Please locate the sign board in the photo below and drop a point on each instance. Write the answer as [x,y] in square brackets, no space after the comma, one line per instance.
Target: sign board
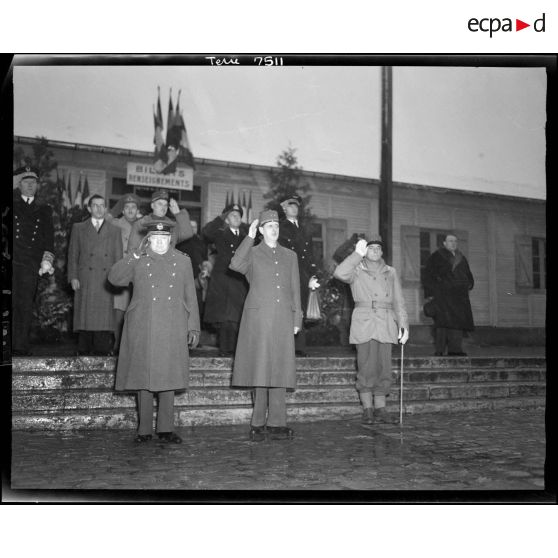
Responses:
[142,174]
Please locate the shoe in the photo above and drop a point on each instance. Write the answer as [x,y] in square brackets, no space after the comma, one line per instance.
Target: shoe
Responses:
[257,433]
[382,416]
[82,353]
[301,354]
[458,354]
[438,354]
[142,438]
[280,432]
[226,353]
[368,416]
[170,437]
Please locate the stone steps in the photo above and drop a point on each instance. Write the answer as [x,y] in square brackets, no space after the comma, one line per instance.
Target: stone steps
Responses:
[77,392]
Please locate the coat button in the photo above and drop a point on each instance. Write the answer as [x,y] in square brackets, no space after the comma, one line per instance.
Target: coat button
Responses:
[152,286]
[276,262]
[150,274]
[170,286]
[173,274]
[277,274]
[169,297]
[232,245]
[148,264]
[277,300]
[278,286]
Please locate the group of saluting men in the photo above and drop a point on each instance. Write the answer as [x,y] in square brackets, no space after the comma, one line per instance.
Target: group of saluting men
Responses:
[256,297]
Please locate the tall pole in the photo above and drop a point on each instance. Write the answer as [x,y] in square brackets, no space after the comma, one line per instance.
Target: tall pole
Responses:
[385,193]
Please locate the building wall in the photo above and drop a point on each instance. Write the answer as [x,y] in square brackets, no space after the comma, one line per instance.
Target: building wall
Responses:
[488,225]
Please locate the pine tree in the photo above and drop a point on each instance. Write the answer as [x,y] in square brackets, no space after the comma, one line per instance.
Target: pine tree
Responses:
[288,180]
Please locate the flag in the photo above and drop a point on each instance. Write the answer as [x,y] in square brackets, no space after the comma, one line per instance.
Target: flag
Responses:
[227,203]
[160,151]
[178,145]
[249,209]
[68,192]
[86,193]
[243,206]
[78,198]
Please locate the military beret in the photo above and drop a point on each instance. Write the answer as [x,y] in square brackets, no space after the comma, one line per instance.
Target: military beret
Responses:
[292,200]
[232,207]
[160,195]
[158,226]
[376,240]
[268,215]
[26,172]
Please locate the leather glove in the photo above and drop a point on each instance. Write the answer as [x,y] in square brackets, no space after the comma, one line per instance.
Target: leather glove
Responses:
[403,335]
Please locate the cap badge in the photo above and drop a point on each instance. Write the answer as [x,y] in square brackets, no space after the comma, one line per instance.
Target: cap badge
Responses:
[159,226]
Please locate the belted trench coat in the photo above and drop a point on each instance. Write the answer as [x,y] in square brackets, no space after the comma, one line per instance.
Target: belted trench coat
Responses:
[265,354]
[379,304]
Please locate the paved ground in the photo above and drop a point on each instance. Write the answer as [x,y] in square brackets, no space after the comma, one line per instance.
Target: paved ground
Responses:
[489,450]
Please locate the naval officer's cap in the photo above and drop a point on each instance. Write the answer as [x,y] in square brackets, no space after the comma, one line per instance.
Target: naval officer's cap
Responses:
[159,227]
[230,208]
[26,172]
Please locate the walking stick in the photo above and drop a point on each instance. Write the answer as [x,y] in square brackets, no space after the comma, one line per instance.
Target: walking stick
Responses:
[401,389]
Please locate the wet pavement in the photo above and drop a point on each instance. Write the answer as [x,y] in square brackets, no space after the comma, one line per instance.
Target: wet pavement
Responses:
[462,451]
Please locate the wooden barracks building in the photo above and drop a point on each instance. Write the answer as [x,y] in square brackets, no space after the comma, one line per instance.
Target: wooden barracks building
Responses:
[503,237]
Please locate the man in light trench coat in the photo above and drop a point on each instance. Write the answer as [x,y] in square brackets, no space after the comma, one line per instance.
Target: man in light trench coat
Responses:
[379,320]
[265,353]
[161,321]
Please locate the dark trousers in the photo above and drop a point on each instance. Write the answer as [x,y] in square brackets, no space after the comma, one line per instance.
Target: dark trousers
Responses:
[95,342]
[453,338]
[300,340]
[24,288]
[270,406]
[228,333]
[165,412]
[374,367]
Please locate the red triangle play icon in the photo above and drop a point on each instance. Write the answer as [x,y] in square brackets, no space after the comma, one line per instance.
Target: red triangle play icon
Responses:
[519,25]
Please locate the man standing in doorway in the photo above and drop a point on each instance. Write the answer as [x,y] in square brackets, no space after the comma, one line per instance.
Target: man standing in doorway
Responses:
[292,235]
[33,254]
[227,288]
[447,282]
[95,245]
[379,320]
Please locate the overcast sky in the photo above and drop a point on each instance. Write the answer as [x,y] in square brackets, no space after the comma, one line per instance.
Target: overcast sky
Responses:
[471,128]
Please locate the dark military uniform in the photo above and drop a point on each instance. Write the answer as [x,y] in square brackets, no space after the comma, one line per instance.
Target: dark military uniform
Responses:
[33,242]
[296,238]
[227,288]
[196,248]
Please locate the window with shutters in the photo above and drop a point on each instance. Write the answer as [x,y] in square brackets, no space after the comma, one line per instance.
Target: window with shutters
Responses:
[417,244]
[530,264]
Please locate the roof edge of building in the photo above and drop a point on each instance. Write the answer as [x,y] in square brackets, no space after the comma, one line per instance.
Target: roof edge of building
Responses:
[318,174]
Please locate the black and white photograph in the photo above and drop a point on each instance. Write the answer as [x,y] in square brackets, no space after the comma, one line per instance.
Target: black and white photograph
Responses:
[289,277]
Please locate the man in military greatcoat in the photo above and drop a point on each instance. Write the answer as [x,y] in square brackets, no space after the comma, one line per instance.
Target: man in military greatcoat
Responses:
[161,203]
[95,245]
[227,288]
[292,235]
[447,282]
[161,321]
[33,254]
[123,215]
[265,357]
[379,320]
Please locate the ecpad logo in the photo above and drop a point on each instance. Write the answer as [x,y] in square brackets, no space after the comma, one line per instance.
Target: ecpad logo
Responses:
[492,25]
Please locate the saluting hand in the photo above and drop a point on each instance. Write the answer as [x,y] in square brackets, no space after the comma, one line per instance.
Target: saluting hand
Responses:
[361,247]
[296,330]
[253,228]
[173,206]
[75,284]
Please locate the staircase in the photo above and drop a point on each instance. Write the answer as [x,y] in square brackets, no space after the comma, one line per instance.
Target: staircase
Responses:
[66,393]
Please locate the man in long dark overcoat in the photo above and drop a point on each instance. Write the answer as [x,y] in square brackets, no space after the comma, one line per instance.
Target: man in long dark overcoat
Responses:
[33,254]
[293,235]
[447,282]
[227,288]
[161,321]
[95,245]
[272,315]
